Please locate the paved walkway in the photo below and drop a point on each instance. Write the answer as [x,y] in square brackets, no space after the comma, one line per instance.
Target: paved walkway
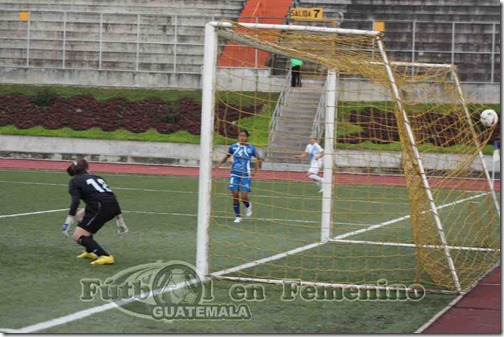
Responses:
[477,312]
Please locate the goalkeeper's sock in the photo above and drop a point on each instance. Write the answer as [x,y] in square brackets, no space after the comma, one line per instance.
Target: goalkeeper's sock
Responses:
[91,246]
[236,208]
[246,203]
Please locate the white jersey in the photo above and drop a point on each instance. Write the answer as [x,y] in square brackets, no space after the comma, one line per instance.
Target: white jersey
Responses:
[313,150]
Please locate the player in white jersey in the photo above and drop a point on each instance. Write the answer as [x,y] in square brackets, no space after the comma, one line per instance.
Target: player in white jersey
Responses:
[316,152]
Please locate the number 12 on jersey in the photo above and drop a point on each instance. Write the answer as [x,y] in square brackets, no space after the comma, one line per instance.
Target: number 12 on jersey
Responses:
[99,184]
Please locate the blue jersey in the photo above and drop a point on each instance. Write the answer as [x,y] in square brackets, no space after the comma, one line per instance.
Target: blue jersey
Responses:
[242,156]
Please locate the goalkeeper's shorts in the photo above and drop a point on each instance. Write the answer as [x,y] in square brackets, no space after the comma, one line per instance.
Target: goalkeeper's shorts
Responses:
[96,215]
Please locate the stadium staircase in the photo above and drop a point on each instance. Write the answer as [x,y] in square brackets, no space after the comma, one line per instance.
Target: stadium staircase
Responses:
[293,123]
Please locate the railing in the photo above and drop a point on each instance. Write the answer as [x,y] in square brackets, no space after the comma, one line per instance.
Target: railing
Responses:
[91,53]
[487,48]
[94,38]
[278,110]
[316,130]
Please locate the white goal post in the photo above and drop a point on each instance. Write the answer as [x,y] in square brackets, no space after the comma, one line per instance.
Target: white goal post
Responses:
[331,111]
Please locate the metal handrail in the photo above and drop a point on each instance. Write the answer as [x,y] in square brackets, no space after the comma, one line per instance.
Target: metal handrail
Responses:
[277,113]
[316,130]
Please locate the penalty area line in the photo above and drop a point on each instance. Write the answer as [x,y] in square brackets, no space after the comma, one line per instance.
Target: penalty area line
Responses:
[5,330]
[255,219]
[33,213]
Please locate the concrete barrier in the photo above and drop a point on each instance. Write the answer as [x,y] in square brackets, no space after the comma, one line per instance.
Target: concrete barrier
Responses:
[99,150]
[180,154]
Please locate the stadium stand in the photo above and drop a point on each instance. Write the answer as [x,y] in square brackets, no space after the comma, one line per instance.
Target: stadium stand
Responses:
[109,36]
[473,24]
[160,42]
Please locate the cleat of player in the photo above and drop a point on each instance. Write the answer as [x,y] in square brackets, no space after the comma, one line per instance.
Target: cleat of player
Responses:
[104,259]
[248,210]
[321,190]
[237,219]
[86,255]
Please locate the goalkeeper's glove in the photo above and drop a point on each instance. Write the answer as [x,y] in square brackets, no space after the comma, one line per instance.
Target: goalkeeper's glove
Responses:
[121,227]
[67,225]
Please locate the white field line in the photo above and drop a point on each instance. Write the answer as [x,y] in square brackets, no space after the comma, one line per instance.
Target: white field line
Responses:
[33,213]
[316,284]
[117,188]
[412,245]
[91,311]
[255,219]
[63,173]
[105,307]
[339,237]
[5,330]
[268,259]
[315,196]
[180,214]
[88,312]
[386,223]
[66,319]
[456,300]
[440,313]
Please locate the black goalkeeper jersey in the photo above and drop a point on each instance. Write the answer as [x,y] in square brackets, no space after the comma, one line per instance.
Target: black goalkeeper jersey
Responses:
[89,188]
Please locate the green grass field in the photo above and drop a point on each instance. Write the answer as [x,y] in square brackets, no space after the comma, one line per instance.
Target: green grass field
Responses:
[40,276]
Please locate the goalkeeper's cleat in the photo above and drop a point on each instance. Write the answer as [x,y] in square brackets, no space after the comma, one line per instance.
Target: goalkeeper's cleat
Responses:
[238,219]
[321,190]
[103,260]
[86,255]
[248,210]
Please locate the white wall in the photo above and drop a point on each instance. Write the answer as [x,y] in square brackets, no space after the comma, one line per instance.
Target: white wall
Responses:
[188,154]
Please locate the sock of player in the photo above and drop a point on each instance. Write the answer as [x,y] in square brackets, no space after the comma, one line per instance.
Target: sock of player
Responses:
[91,246]
[236,208]
[316,178]
[246,203]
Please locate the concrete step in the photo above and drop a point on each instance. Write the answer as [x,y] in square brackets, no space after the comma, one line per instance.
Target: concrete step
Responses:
[94,6]
[292,148]
[294,122]
[146,3]
[423,2]
[301,113]
[55,30]
[189,55]
[276,166]
[294,135]
[281,143]
[299,131]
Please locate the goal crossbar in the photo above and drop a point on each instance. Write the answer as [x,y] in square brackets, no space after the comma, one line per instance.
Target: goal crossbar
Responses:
[371,33]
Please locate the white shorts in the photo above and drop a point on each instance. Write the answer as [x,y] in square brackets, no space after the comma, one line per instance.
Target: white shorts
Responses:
[314,168]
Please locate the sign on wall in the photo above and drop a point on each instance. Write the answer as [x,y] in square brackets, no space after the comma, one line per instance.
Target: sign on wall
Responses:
[307,13]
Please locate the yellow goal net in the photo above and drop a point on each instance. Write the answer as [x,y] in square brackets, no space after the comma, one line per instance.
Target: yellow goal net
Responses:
[402,196]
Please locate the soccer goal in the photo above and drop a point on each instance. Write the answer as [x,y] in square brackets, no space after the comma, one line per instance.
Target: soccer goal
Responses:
[406,194]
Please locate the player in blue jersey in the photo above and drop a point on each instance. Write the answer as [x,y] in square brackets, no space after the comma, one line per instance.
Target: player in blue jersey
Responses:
[316,152]
[241,174]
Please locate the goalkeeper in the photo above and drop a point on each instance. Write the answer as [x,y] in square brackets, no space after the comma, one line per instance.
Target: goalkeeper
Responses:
[101,207]
[316,152]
